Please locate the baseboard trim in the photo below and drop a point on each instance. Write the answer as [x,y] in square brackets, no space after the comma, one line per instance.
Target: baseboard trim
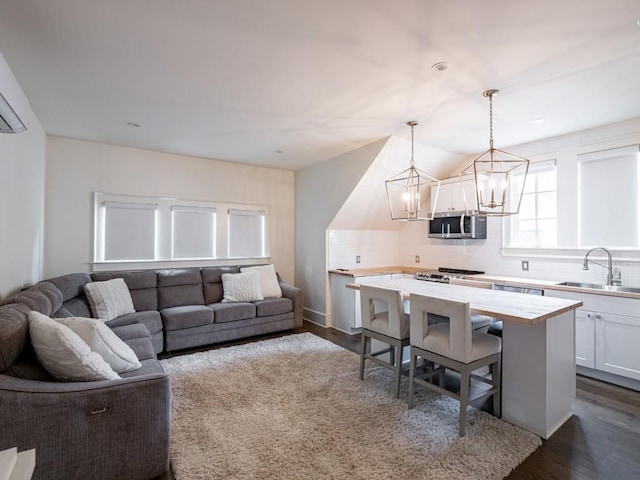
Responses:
[609,377]
[313,316]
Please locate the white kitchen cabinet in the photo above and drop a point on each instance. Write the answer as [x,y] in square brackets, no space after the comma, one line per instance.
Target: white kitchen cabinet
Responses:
[345,302]
[617,340]
[607,336]
[585,338]
[455,196]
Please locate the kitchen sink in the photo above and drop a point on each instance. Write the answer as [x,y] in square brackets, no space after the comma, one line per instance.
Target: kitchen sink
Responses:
[597,286]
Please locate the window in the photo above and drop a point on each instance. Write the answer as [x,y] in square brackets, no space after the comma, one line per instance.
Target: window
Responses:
[128,231]
[193,232]
[535,226]
[609,203]
[149,229]
[246,233]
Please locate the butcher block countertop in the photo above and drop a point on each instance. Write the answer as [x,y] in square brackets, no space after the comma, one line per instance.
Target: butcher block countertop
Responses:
[487,277]
[364,272]
[509,306]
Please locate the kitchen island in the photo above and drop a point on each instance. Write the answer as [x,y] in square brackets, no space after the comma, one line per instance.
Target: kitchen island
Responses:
[538,348]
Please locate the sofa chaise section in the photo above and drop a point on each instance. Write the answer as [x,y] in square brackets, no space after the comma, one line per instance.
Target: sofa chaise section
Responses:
[99,429]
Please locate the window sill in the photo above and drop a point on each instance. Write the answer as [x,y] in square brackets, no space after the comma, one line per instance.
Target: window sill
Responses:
[176,263]
[618,254]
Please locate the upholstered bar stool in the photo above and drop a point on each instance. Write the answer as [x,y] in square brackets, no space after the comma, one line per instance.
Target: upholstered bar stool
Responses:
[479,322]
[383,319]
[454,346]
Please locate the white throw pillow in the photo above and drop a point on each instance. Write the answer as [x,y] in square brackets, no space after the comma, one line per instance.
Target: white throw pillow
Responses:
[110,299]
[241,287]
[64,354]
[102,340]
[268,279]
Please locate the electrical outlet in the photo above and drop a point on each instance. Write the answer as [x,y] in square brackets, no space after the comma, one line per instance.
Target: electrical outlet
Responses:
[417,258]
[357,258]
[525,265]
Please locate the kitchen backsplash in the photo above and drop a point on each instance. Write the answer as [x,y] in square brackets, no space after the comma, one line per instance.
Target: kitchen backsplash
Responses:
[378,248]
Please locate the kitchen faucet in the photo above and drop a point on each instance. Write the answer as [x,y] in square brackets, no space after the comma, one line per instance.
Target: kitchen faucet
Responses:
[609,266]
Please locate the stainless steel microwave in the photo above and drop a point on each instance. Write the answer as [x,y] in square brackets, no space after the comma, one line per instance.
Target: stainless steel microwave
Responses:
[447,225]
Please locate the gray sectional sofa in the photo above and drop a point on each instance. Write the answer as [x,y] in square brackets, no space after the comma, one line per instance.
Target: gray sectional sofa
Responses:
[119,429]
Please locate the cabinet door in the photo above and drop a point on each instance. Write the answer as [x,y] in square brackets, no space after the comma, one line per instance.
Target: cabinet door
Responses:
[585,339]
[455,196]
[469,191]
[444,198]
[343,315]
[617,340]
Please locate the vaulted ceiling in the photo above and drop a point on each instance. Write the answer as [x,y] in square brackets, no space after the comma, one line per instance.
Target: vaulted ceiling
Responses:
[287,83]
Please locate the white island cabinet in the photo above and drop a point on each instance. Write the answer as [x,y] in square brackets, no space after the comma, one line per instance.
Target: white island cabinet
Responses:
[538,355]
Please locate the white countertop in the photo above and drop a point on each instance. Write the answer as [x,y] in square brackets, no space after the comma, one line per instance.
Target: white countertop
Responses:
[509,306]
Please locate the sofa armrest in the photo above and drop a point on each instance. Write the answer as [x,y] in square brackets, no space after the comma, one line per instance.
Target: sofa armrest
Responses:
[102,430]
[295,294]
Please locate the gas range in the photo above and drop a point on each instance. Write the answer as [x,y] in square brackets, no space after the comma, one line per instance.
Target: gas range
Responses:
[443,274]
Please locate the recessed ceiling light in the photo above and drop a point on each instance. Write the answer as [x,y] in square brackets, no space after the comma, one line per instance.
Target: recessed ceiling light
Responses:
[537,120]
[440,66]
[277,151]
[133,124]
[638,23]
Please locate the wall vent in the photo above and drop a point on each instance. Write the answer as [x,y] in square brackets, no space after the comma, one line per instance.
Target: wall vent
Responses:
[9,120]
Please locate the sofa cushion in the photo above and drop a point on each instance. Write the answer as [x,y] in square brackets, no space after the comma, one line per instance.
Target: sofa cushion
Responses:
[150,319]
[64,354]
[52,293]
[71,285]
[35,300]
[137,337]
[74,301]
[110,299]
[212,282]
[28,367]
[176,318]
[75,307]
[268,279]
[273,306]
[142,347]
[241,287]
[142,286]
[231,312]
[14,333]
[102,340]
[179,287]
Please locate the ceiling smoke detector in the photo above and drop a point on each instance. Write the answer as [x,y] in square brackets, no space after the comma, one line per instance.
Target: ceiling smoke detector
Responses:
[440,66]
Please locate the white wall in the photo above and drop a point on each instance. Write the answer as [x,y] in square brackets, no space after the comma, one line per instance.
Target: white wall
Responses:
[560,265]
[321,191]
[76,169]
[22,166]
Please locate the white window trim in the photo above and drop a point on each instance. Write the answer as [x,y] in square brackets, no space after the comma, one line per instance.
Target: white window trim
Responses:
[507,233]
[164,208]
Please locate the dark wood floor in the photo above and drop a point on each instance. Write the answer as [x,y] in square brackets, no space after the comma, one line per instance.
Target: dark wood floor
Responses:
[601,441]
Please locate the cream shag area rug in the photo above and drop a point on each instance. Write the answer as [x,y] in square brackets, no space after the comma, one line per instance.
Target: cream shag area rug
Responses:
[294,408]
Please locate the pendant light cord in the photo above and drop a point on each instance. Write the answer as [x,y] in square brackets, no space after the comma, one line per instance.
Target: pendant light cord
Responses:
[491,121]
[412,162]
[412,124]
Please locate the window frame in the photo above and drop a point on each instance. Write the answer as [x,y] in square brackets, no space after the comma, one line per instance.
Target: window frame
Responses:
[511,224]
[163,234]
